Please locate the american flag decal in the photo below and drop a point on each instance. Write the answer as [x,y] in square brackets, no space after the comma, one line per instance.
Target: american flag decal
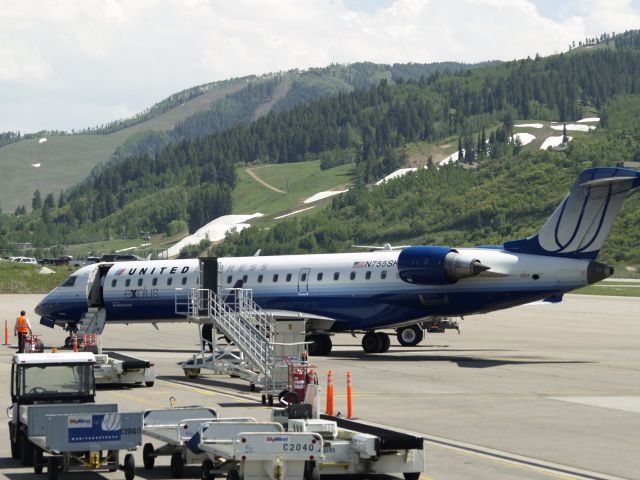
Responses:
[119,272]
[358,265]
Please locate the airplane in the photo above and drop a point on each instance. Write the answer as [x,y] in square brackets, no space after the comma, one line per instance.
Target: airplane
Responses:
[364,292]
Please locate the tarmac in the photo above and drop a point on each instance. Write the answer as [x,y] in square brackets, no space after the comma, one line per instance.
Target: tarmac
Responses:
[533,392]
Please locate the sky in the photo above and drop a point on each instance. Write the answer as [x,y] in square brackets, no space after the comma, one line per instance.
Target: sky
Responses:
[73,64]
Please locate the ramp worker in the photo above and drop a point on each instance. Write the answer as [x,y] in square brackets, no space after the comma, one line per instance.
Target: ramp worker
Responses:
[22,328]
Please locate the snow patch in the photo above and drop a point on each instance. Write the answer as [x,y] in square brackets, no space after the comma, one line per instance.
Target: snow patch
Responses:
[575,127]
[451,158]
[214,231]
[552,142]
[396,174]
[524,138]
[529,125]
[293,213]
[589,119]
[322,195]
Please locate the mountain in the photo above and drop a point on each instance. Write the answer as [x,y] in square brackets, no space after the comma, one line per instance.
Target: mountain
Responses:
[191,181]
[68,158]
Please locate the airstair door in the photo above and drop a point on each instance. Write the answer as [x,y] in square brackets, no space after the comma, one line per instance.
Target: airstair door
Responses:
[303,281]
[208,277]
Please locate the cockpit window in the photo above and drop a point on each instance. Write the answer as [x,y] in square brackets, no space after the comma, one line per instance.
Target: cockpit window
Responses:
[69,282]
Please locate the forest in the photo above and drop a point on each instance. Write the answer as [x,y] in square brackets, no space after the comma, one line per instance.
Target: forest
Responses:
[191,180]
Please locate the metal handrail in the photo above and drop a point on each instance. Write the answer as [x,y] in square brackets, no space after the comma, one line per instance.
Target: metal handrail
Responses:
[238,317]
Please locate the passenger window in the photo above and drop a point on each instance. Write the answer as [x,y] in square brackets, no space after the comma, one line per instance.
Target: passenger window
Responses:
[367,275]
[260,278]
[336,276]
[244,279]
[140,282]
[352,276]
[127,282]
[229,279]
[154,282]
[113,283]
[303,278]
[383,274]
[184,280]
[169,281]
[275,277]
[288,277]
[320,276]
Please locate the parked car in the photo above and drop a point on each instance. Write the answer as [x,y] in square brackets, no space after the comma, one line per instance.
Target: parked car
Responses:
[117,257]
[29,260]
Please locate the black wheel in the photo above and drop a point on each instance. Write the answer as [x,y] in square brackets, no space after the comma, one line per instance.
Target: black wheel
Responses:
[264,399]
[310,471]
[287,397]
[385,342]
[371,343]
[205,471]
[327,345]
[410,336]
[149,384]
[233,475]
[112,456]
[38,461]
[270,400]
[129,467]
[177,465]
[52,468]
[15,448]
[26,450]
[320,344]
[411,476]
[148,456]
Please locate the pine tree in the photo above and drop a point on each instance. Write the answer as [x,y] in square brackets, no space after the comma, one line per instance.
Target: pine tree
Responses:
[36,202]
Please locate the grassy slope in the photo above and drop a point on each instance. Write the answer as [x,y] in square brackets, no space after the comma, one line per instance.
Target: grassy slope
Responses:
[304,180]
[20,278]
[68,159]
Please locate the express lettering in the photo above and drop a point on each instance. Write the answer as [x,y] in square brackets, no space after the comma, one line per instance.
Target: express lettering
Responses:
[141,293]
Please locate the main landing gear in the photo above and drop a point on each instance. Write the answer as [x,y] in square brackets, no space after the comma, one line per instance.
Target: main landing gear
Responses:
[376,342]
[320,345]
[410,336]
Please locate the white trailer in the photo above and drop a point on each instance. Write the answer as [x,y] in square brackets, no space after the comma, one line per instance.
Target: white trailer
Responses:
[175,428]
[257,451]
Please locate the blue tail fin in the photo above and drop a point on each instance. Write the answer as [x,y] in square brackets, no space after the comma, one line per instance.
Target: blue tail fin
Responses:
[581,223]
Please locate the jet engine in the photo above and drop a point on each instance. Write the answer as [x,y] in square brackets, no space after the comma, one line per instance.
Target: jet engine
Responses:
[436,265]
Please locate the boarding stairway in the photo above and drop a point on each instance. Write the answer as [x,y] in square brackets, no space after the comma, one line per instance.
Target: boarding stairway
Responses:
[92,322]
[89,328]
[235,315]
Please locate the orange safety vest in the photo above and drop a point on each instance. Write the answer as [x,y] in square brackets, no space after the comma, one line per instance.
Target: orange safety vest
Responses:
[22,325]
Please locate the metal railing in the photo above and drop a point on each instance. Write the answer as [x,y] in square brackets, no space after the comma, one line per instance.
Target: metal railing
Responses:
[236,316]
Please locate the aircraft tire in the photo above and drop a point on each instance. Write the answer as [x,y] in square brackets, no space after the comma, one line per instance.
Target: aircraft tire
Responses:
[385,342]
[326,344]
[321,344]
[371,342]
[410,336]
